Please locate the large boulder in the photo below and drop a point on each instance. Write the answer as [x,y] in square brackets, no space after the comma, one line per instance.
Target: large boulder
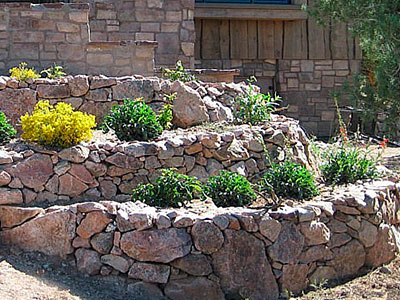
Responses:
[243,267]
[207,237]
[384,249]
[162,245]
[93,223]
[132,89]
[294,278]
[188,108]
[88,261]
[348,259]
[79,85]
[51,233]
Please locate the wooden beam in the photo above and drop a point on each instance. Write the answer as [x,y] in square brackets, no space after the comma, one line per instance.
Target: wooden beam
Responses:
[245,12]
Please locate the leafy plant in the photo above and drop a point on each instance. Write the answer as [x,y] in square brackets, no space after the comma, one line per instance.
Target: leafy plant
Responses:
[179,73]
[7,131]
[22,72]
[375,91]
[347,165]
[289,180]
[135,120]
[171,189]
[58,125]
[255,108]
[53,72]
[229,189]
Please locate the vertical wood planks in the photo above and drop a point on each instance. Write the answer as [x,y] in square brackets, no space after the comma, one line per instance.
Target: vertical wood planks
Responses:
[266,40]
[295,40]
[238,37]
[197,44]
[252,39]
[339,41]
[210,40]
[224,39]
[278,39]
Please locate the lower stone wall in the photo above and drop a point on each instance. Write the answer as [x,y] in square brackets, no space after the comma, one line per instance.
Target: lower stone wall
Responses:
[231,253]
[111,169]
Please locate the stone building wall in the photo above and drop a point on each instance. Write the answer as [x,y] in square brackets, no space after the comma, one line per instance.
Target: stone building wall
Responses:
[217,253]
[44,34]
[169,22]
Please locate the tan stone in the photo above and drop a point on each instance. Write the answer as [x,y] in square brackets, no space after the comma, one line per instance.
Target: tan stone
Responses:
[5,178]
[10,196]
[13,216]
[51,234]
[93,223]
[71,186]
[81,173]
[79,85]
[99,59]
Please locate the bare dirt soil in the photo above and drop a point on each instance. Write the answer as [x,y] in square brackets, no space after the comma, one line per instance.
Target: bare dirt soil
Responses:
[33,276]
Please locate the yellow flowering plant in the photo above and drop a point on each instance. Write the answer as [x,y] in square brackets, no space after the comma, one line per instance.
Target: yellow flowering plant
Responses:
[22,72]
[57,126]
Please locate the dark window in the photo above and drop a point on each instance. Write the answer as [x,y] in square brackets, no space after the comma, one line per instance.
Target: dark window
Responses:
[246,1]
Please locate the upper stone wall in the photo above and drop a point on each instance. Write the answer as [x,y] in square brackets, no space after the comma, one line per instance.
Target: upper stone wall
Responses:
[169,22]
[44,34]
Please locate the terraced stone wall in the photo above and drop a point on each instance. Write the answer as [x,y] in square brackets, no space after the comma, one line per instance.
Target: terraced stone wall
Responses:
[231,253]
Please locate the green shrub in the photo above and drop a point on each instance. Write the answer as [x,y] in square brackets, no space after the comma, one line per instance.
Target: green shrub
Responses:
[229,189]
[289,180]
[59,125]
[171,189]
[135,120]
[347,165]
[179,73]
[53,72]
[22,72]
[7,131]
[255,108]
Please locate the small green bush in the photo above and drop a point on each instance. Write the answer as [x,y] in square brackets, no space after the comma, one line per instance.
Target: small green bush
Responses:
[347,165]
[53,72]
[289,180]
[179,73]
[135,120]
[229,189]
[255,108]
[171,189]
[7,131]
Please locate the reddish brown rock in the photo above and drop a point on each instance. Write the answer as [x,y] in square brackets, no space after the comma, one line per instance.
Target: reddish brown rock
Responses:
[288,245]
[51,234]
[71,186]
[12,216]
[384,249]
[367,234]
[96,169]
[79,242]
[188,108]
[29,195]
[5,178]
[79,85]
[207,237]
[81,173]
[117,262]
[102,242]
[33,171]
[316,253]
[316,233]
[16,102]
[108,189]
[93,223]
[348,259]
[162,245]
[243,267]
[58,91]
[270,228]
[135,216]
[10,196]
[194,288]
[101,81]
[124,161]
[193,264]
[323,274]
[76,154]
[52,184]
[149,272]
[88,261]
[294,278]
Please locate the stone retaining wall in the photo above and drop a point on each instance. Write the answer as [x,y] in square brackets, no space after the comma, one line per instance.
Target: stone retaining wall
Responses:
[44,34]
[110,170]
[196,102]
[232,253]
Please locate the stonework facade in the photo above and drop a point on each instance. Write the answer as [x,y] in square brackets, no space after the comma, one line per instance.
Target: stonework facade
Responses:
[44,34]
